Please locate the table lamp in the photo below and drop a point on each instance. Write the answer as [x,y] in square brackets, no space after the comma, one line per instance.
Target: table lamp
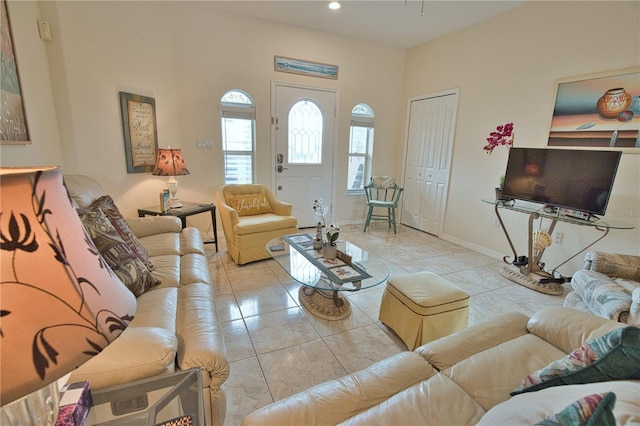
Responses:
[170,163]
[60,304]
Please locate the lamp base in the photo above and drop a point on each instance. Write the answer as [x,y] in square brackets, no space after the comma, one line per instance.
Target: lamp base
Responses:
[174,203]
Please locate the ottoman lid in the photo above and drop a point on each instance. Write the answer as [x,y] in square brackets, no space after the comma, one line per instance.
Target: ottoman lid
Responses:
[426,293]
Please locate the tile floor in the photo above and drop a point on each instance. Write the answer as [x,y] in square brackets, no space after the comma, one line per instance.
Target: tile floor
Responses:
[277,349]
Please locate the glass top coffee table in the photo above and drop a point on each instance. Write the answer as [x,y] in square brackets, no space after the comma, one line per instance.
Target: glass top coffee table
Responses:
[323,279]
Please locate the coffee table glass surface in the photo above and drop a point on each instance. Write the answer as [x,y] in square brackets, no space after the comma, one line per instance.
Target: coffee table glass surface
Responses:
[321,287]
[303,271]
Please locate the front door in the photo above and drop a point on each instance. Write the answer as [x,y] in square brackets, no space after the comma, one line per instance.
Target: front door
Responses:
[303,128]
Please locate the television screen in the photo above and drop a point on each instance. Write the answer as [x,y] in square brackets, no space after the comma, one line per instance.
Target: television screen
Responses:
[566,178]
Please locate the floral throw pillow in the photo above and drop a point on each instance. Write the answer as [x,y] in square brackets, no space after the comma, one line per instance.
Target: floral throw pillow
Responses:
[116,253]
[595,409]
[613,356]
[110,209]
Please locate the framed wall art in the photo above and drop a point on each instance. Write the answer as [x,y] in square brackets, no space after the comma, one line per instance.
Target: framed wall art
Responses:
[140,132]
[13,120]
[601,110]
[313,69]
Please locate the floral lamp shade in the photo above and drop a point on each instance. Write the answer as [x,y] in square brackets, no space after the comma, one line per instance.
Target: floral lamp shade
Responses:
[169,162]
[60,304]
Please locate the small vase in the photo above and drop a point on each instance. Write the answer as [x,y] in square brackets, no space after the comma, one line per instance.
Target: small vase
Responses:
[498,194]
[329,251]
[613,102]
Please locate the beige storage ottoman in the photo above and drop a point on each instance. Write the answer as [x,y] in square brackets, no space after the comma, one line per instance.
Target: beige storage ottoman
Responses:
[423,307]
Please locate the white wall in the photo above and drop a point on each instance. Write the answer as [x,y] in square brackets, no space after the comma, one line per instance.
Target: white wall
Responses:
[186,55]
[33,68]
[506,69]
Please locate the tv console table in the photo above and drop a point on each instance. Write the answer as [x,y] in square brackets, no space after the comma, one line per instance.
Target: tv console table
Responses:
[529,271]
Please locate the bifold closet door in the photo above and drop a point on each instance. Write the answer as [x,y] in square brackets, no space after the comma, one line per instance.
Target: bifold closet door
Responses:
[430,134]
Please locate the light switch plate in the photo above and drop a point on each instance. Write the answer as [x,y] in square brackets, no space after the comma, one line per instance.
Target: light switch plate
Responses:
[204,143]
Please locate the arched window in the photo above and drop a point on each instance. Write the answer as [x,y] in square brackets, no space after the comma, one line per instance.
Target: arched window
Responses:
[305,133]
[238,115]
[360,147]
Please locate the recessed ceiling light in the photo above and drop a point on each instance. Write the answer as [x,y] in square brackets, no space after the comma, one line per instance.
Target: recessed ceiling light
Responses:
[334,5]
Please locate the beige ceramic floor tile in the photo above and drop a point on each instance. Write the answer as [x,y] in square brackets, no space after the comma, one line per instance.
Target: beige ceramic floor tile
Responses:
[279,330]
[359,348]
[246,390]
[237,341]
[299,367]
[263,300]
[227,307]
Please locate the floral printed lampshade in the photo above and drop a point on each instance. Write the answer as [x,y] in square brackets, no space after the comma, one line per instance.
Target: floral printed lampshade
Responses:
[60,304]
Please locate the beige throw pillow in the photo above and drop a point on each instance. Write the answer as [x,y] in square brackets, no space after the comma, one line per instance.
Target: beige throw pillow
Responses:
[250,204]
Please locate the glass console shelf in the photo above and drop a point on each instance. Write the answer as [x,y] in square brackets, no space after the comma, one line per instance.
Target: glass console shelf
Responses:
[529,270]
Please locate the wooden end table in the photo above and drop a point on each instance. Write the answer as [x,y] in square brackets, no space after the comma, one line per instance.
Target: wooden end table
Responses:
[187,209]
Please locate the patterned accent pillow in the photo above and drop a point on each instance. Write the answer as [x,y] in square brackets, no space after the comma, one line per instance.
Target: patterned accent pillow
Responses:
[614,356]
[118,221]
[250,204]
[117,254]
[595,409]
[383,181]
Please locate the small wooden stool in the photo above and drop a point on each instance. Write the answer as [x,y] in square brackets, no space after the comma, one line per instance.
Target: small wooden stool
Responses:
[423,307]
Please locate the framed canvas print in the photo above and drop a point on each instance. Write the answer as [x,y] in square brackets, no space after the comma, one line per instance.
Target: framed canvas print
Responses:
[312,69]
[140,132]
[601,110]
[13,120]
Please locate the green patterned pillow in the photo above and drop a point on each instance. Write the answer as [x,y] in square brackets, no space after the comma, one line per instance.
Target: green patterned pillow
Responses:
[614,356]
[596,409]
[116,253]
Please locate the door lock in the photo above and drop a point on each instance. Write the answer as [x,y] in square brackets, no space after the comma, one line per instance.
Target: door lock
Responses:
[279,169]
[279,158]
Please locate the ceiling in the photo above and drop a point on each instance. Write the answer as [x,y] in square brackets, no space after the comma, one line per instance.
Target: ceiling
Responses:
[395,23]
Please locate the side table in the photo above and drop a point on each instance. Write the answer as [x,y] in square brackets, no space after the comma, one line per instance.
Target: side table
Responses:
[187,209]
[151,401]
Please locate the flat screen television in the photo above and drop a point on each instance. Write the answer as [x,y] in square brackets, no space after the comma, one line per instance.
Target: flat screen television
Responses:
[569,179]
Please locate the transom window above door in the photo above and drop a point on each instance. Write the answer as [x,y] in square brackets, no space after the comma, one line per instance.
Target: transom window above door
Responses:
[305,124]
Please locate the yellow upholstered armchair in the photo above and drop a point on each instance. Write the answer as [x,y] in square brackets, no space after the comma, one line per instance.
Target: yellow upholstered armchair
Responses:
[251,216]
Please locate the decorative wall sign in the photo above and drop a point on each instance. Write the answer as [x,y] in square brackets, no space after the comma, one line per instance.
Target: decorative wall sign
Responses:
[312,69]
[602,110]
[140,132]
[13,120]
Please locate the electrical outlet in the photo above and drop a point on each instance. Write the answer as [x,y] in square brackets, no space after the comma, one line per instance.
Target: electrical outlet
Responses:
[496,222]
[558,238]
[204,143]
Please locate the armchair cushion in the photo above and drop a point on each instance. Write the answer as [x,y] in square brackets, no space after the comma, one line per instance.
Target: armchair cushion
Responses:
[249,204]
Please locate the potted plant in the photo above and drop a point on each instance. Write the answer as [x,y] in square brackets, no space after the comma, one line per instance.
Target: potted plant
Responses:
[329,248]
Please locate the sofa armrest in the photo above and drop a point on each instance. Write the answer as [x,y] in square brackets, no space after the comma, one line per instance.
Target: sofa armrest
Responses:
[449,350]
[198,330]
[567,329]
[614,265]
[138,353]
[338,400]
[145,226]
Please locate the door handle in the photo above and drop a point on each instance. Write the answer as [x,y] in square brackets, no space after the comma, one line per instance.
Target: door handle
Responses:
[279,169]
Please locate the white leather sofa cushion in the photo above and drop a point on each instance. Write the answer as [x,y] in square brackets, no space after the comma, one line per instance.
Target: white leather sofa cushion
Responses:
[434,401]
[336,401]
[533,407]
